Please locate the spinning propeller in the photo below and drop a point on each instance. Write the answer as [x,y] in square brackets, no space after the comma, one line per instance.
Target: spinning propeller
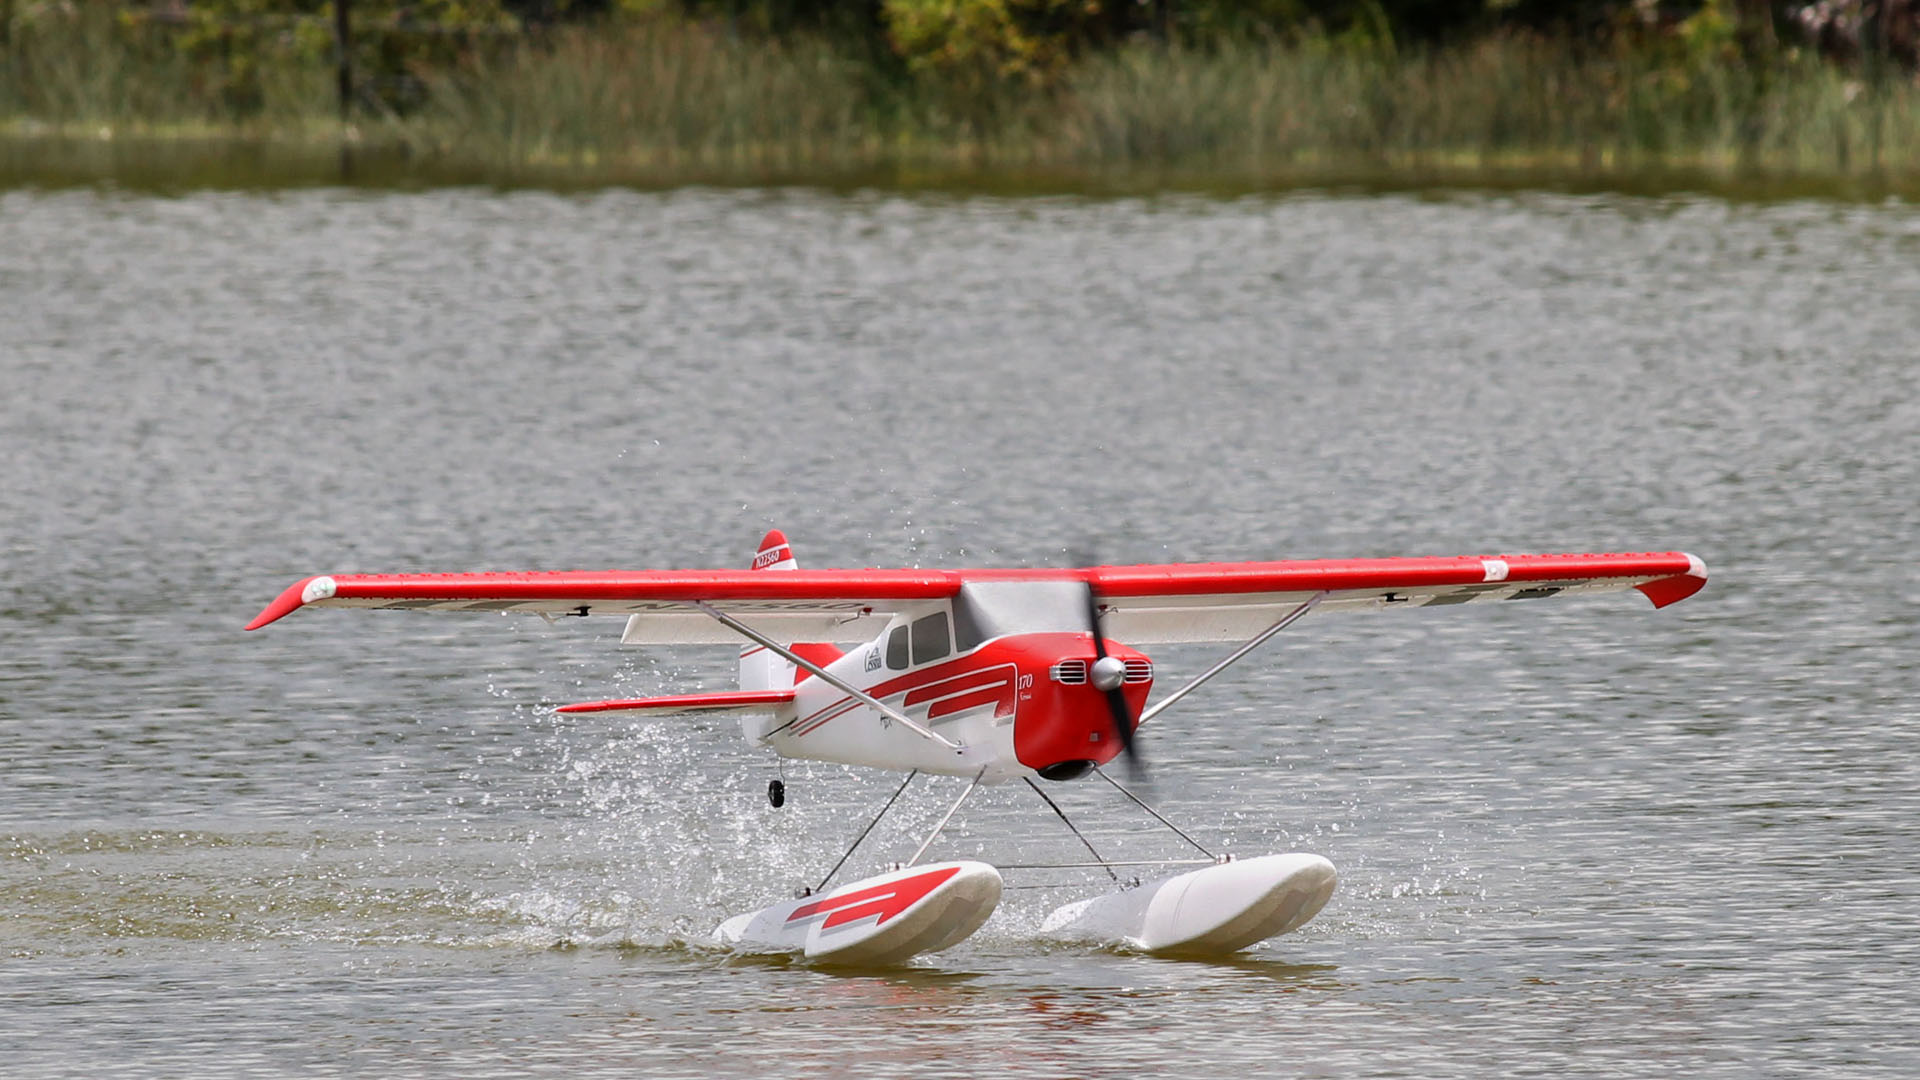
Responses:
[1107,675]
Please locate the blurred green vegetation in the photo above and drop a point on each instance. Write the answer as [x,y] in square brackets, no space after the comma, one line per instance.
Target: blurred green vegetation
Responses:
[1234,92]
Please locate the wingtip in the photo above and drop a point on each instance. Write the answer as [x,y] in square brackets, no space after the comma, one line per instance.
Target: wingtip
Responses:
[293,598]
[1672,590]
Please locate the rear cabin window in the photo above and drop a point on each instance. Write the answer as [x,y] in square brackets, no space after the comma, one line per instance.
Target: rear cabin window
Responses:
[930,638]
[897,649]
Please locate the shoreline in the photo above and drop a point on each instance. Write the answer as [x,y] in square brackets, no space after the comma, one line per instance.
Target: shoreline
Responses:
[210,159]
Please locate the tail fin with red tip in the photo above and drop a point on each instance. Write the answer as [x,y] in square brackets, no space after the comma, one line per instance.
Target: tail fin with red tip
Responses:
[760,668]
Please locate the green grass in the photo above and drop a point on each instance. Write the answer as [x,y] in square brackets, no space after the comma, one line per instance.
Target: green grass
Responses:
[1499,102]
[663,103]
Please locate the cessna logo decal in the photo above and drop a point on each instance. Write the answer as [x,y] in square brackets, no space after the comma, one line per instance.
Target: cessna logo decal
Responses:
[885,900]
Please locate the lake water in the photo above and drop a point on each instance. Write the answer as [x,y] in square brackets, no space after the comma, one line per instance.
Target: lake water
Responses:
[1580,837]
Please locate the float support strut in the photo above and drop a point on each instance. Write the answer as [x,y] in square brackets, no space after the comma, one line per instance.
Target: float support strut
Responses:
[928,842]
[863,832]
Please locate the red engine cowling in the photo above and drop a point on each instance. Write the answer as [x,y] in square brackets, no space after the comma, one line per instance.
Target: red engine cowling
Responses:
[1064,725]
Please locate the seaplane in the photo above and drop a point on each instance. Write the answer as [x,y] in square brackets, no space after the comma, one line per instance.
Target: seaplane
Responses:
[997,676]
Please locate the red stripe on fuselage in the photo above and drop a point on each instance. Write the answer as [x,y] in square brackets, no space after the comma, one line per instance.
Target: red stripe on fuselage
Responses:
[942,680]
[1000,695]
[832,712]
[972,680]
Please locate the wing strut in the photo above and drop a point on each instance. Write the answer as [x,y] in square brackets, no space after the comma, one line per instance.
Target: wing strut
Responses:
[834,681]
[1253,643]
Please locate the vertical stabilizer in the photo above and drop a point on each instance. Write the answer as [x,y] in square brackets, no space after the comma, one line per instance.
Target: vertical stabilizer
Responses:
[759,668]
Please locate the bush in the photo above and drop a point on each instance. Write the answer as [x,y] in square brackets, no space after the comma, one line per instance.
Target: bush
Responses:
[974,40]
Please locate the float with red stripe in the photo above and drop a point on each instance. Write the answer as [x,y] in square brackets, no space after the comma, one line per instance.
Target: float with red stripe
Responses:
[876,921]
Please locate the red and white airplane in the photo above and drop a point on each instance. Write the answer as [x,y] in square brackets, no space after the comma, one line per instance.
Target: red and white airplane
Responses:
[994,675]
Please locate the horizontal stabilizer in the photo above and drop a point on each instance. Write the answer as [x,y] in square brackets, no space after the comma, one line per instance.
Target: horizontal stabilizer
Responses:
[731,701]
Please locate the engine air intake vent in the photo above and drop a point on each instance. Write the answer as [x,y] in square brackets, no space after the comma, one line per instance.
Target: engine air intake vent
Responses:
[1139,670]
[1070,672]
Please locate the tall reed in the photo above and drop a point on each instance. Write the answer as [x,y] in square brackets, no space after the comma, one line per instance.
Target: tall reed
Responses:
[654,95]
[90,69]
[1252,108]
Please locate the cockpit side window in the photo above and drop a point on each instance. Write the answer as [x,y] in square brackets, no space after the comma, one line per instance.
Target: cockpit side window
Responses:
[967,631]
[930,638]
[897,649]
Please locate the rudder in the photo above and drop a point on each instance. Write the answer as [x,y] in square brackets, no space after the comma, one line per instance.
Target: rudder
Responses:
[760,668]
